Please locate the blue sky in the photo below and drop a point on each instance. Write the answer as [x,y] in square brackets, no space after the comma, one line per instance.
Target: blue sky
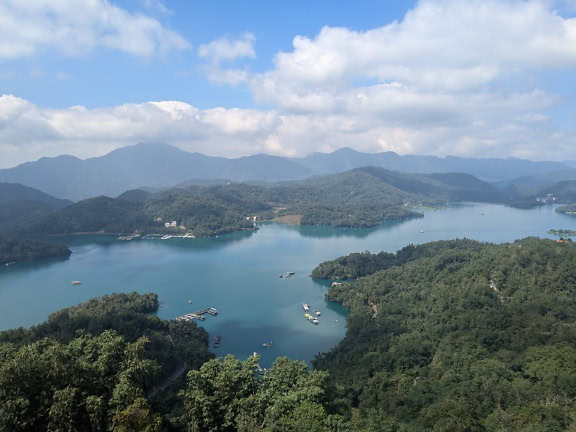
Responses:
[104,77]
[490,78]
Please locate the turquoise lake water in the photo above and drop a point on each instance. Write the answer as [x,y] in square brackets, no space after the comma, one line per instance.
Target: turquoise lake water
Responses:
[238,274]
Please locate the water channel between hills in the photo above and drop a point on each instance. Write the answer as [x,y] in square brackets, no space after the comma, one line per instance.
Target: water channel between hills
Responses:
[238,274]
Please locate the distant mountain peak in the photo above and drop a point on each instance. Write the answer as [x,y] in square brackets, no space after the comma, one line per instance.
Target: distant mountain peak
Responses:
[159,165]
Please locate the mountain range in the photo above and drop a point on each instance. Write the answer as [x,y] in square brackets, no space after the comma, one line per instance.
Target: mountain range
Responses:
[162,166]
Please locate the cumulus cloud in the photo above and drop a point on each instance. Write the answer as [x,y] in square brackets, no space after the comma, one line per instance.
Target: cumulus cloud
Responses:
[223,50]
[449,45]
[73,26]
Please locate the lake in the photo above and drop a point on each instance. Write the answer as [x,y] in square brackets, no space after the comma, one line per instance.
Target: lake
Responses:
[238,274]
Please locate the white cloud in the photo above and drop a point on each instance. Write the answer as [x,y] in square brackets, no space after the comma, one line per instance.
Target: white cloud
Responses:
[230,76]
[513,128]
[158,6]
[225,49]
[447,45]
[74,26]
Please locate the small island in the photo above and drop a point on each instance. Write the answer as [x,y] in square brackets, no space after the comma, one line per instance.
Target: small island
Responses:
[562,232]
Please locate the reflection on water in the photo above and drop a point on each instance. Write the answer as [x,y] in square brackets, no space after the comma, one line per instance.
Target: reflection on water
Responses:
[31,266]
[324,231]
[112,240]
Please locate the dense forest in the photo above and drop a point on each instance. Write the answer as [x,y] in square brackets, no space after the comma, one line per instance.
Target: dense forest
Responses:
[362,197]
[360,264]
[460,336]
[19,250]
[103,365]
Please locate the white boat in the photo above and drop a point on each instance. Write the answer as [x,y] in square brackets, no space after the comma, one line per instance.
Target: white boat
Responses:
[317,313]
[305,307]
[76,282]
[190,301]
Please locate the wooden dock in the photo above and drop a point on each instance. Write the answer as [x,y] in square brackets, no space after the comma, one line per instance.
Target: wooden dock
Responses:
[198,315]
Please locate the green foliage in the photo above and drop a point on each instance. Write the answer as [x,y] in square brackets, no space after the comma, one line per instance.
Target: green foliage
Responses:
[361,264]
[51,386]
[114,304]
[229,395]
[459,336]
[18,250]
[97,366]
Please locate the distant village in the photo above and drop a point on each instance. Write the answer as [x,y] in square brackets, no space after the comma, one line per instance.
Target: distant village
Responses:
[548,199]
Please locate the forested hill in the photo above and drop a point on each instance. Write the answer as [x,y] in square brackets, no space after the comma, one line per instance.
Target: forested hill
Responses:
[361,197]
[14,250]
[20,204]
[100,366]
[360,264]
[460,336]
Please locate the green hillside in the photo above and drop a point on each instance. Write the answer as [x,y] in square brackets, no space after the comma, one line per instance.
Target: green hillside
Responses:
[21,250]
[96,367]
[459,336]
[362,197]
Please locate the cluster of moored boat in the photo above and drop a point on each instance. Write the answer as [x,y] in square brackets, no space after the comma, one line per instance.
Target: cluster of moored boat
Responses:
[184,236]
[198,315]
[313,319]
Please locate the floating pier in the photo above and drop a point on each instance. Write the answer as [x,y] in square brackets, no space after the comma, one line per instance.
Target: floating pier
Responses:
[198,315]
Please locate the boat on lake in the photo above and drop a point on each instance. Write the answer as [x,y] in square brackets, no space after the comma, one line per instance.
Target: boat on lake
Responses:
[286,275]
[10,263]
[312,319]
[216,342]
[76,283]
[306,307]
[267,344]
